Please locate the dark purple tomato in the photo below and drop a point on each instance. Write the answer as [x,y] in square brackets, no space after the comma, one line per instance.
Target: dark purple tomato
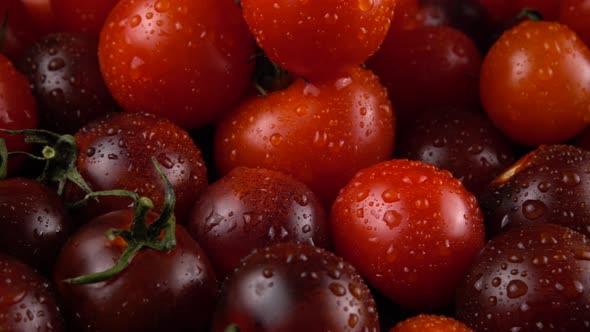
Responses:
[158,291]
[427,68]
[27,304]
[252,208]
[549,185]
[462,141]
[293,287]
[33,222]
[116,152]
[66,81]
[529,279]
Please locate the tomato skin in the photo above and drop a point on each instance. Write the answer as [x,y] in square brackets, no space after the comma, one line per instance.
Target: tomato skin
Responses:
[19,32]
[504,11]
[428,68]
[319,39]
[431,323]
[291,287]
[182,59]
[254,208]
[402,222]
[66,81]
[26,295]
[320,134]
[82,15]
[17,108]
[115,153]
[156,292]
[33,222]
[533,91]
[574,14]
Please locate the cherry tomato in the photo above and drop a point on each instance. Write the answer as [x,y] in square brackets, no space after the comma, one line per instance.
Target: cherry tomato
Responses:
[431,323]
[575,14]
[42,14]
[405,16]
[182,59]
[172,291]
[535,85]
[320,134]
[319,39]
[529,279]
[82,15]
[292,287]
[27,302]
[254,208]
[66,81]
[33,222]
[428,68]
[410,229]
[19,32]
[116,151]
[17,108]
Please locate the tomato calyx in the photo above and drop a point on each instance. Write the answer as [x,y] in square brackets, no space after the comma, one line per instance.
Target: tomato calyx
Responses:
[232,328]
[528,14]
[269,76]
[59,152]
[159,235]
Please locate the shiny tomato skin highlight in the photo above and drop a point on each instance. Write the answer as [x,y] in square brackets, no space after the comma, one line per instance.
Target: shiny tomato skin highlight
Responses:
[535,85]
[185,60]
[319,39]
[320,134]
[410,229]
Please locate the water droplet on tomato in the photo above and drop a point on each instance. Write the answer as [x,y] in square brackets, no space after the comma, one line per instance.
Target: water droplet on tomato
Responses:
[533,209]
[516,289]
[366,5]
[162,6]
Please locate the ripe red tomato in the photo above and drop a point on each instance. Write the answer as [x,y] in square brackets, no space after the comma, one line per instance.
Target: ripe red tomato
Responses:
[576,15]
[405,16]
[320,39]
[535,84]
[17,107]
[82,15]
[410,229]
[320,134]
[158,291]
[431,323]
[185,60]
[41,14]
[428,68]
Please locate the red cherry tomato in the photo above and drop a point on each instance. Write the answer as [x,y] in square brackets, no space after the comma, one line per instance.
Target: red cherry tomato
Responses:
[17,107]
[42,14]
[431,323]
[82,15]
[428,68]
[185,60]
[410,229]
[405,16]
[576,15]
[319,39]
[320,134]
[535,84]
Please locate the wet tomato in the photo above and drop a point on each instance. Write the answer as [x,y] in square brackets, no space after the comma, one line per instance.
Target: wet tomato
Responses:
[27,302]
[33,222]
[254,208]
[292,287]
[529,279]
[319,39]
[534,83]
[402,222]
[428,68]
[158,291]
[66,81]
[17,107]
[548,185]
[115,153]
[182,59]
[431,323]
[575,14]
[320,134]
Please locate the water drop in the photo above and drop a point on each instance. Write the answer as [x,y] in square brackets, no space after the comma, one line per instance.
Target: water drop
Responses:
[516,289]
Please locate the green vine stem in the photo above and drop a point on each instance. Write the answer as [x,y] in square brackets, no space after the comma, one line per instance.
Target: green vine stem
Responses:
[140,235]
[60,153]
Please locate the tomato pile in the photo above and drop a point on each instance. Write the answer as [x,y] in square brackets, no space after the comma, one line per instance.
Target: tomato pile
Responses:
[282,165]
